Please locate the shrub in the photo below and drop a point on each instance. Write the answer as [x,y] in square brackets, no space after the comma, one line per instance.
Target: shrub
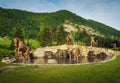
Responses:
[5,53]
[116,49]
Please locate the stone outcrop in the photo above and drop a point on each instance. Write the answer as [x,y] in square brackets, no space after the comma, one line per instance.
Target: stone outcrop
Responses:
[84,52]
[74,28]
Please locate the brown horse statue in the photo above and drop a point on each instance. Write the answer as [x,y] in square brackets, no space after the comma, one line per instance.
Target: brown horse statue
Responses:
[17,56]
[92,42]
[16,43]
[27,55]
[76,52]
[20,47]
[68,39]
[114,45]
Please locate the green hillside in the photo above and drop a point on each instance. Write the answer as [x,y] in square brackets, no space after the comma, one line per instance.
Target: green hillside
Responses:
[31,24]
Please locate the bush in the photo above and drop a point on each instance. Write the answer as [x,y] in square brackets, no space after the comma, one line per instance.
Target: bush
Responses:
[32,43]
[54,43]
[5,53]
[116,49]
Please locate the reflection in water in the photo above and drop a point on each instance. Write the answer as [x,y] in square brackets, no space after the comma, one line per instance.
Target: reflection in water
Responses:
[68,61]
[39,61]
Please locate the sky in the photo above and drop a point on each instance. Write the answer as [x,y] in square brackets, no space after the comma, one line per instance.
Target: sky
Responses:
[104,11]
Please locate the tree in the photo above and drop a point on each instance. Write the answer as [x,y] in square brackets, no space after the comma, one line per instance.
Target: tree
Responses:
[45,37]
[18,31]
[61,35]
[83,37]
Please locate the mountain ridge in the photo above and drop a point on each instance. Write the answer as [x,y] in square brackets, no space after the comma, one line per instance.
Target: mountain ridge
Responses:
[34,21]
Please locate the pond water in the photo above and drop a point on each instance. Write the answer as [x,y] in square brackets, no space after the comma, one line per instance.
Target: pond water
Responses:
[68,61]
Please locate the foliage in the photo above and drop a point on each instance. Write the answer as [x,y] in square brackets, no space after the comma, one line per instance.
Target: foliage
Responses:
[18,32]
[32,43]
[32,21]
[83,37]
[10,18]
[45,37]
[116,49]
[5,43]
[5,53]
[5,48]
[104,29]
[61,35]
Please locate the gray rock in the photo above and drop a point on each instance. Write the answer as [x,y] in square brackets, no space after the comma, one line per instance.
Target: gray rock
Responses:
[39,61]
[8,60]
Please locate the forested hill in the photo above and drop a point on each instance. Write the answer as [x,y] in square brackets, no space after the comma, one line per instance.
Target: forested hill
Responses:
[33,22]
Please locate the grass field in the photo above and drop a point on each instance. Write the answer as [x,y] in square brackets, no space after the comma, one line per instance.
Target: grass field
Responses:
[108,72]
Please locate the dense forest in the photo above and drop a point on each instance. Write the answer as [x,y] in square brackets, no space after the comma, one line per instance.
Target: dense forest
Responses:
[31,25]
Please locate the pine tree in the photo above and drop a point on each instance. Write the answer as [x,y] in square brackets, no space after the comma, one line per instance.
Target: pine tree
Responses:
[45,37]
[18,31]
[61,35]
[82,37]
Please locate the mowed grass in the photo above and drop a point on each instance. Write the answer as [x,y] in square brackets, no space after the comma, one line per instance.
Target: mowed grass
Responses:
[108,72]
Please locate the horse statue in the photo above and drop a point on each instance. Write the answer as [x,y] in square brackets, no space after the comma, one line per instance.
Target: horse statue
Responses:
[21,49]
[92,42]
[68,39]
[27,55]
[76,52]
[16,43]
[114,45]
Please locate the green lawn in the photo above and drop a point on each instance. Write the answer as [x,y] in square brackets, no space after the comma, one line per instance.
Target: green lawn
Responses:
[108,72]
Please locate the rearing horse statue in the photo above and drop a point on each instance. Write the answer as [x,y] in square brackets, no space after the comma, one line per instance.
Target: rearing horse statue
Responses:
[20,47]
[16,43]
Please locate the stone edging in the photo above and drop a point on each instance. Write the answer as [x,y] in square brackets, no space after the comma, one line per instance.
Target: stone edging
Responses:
[114,57]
